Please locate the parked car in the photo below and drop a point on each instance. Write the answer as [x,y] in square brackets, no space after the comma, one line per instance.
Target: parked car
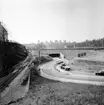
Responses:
[100,73]
[79,55]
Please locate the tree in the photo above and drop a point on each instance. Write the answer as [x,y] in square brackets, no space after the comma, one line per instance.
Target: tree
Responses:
[3,33]
[40,46]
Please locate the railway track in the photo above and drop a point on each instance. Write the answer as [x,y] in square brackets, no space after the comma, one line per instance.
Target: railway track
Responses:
[10,81]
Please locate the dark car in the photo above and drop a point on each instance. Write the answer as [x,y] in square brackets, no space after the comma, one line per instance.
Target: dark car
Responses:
[62,67]
[63,64]
[60,62]
[66,68]
[100,73]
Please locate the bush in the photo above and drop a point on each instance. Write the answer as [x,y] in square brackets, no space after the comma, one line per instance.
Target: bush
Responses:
[78,55]
[42,59]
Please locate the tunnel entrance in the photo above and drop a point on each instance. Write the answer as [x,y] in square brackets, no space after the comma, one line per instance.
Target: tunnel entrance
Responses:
[57,55]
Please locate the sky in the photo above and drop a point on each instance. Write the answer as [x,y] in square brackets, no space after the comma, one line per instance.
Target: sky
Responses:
[28,21]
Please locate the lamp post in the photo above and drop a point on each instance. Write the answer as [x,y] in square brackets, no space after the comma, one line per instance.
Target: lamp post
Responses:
[39,56]
[102,43]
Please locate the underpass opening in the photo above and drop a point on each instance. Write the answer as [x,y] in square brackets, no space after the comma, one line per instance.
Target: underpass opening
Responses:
[65,53]
[71,57]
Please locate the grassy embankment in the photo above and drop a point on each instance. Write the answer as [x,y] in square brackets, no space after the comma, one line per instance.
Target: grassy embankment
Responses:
[48,92]
[92,63]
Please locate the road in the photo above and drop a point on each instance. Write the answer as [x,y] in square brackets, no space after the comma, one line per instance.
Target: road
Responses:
[51,70]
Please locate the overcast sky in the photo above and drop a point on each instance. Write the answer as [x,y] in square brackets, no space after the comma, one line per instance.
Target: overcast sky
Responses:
[73,20]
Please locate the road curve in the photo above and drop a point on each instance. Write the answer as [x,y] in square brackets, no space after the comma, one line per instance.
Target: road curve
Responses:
[50,70]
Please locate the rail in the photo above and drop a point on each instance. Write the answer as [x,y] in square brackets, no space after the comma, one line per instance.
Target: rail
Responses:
[21,72]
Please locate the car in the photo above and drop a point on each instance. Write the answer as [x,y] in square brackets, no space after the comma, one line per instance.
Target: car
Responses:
[66,68]
[63,64]
[60,62]
[100,73]
[62,67]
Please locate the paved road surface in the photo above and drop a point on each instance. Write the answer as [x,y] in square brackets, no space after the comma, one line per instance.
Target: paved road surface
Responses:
[50,70]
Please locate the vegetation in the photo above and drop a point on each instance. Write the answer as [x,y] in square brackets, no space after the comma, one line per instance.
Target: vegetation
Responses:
[40,60]
[48,92]
[91,43]
[50,45]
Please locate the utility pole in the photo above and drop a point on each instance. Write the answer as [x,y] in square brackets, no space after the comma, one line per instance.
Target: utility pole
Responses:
[102,43]
[39,56]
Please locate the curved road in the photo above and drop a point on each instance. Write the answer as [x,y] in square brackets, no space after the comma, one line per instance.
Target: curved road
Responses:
[52,71]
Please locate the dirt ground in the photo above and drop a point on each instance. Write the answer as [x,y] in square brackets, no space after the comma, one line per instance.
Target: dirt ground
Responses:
[48,92]
[92,63]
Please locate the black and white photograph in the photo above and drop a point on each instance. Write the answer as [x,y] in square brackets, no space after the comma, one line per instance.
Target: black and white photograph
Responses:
[51,52]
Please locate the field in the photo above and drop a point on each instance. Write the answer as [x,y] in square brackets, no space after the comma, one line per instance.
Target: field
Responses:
[48,92]
[92,63]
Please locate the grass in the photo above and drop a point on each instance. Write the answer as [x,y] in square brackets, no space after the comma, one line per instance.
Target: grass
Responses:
[88,66]
[48,92]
